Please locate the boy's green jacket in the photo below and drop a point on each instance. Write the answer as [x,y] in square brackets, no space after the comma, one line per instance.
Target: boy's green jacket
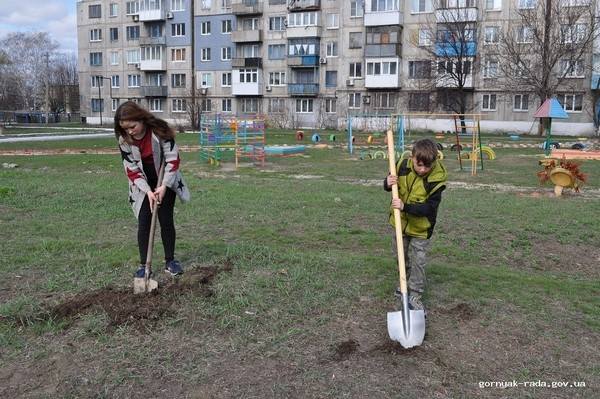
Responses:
[421,197]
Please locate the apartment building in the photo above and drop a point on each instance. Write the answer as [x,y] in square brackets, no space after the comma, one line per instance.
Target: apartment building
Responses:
[310,63]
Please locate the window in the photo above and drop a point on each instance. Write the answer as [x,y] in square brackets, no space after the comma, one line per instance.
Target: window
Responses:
[571,102]
[226,26]
[179,30]
[95,59]
[276,2]
[421,6]
[204,28]
[95,35]
[330,78]
[573,33]
[306,46]
[354,100]
[206,105]
[249,75]
[521,102]
[276,105]
[113,10]
[381,68]
[489,102]
[355,70]
[115,81]
[249,51]
[495,5]
[154,79]
[133,80]
[276,51]
[205,4]
[114,58]
[490,69]
[177,5]
[96,81]
[333,21]
[491,35]
[225,5]
[225,53]
[249,105]
[277,23]
[384,5]
[304,106]
[419,69]
[384,100]
[330,105]
[177,54]
[418,102]
[425,36]
[356,8]
[97,105]
[133,32]
[309,18]
[277,78]
[226,105]
[132,7]
[155,30]
[115,104]
[205,54]
[206,79]
[177,80]
[179,105]
[571,69]
[355,40]
[526,4]
[156,105]
[332,49]
[249,24]
[133,56]
[114,34]
[226,79]
[524,34]
[95,11]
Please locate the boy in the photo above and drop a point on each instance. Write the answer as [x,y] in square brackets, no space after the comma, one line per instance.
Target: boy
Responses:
[421,180]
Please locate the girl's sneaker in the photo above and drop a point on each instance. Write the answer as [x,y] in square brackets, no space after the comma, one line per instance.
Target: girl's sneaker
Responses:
[173,267]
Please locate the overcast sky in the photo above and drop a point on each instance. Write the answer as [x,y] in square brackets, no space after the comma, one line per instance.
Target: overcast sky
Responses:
[57,17]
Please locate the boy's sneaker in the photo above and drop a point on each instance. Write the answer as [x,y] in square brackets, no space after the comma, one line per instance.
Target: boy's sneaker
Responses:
[173,267]
[415,303]
[141,272]
[398,293]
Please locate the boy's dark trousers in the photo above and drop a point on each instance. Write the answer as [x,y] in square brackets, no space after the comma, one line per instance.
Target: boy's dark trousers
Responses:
[415,259]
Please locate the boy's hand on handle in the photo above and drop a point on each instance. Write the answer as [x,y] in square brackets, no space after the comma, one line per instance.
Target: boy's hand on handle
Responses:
[160,193]
[391,180]
[397,203]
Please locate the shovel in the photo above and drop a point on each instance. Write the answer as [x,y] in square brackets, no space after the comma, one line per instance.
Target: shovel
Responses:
[406,326]
[146,284]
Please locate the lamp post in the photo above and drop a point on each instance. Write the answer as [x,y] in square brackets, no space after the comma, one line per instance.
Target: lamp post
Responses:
[101,78]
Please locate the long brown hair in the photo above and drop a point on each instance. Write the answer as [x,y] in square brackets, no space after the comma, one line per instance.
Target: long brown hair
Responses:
[130,111]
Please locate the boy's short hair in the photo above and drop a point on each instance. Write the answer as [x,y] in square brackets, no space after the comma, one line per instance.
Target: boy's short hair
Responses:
[426,151]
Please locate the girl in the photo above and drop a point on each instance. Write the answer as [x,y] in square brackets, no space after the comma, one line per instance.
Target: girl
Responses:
[145,141]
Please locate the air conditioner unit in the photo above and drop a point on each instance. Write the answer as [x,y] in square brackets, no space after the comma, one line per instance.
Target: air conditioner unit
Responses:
[350,82]
[367,100]
[268,88]
[136,18]
[137,66]
[203,91]
[169,15]
[322,60]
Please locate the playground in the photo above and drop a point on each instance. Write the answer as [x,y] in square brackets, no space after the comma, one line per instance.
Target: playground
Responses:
[290,273]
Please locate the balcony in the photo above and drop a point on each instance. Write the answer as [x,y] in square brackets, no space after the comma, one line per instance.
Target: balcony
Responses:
[449,82]
[153,65]
[456,15]
[303,31]
[303,89]
[297,5]
[457,49]
[303,61]
[383,50]
[248,87]
[154,91]
[246,36]
[246,7]
[153,41]
[382,73]
[152,15]
[381,18]
[248,62]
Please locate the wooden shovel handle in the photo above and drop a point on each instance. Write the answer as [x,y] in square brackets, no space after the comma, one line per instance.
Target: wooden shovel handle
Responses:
[397,221]
[161,174]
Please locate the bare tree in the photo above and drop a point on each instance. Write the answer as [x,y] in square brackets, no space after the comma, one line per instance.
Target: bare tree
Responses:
[63,81]
[547,43]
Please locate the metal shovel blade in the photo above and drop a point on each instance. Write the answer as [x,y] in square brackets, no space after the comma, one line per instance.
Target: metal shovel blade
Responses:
[141,285]
[407,326]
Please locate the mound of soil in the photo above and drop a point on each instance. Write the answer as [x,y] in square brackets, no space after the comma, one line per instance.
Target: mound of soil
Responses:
[122,306]
[343,350]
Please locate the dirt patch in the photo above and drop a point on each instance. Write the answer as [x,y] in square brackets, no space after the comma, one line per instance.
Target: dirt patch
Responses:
[462,311]
[343,350]
[122,306]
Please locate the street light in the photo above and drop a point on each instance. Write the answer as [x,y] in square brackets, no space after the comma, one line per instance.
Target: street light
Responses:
[100,92]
